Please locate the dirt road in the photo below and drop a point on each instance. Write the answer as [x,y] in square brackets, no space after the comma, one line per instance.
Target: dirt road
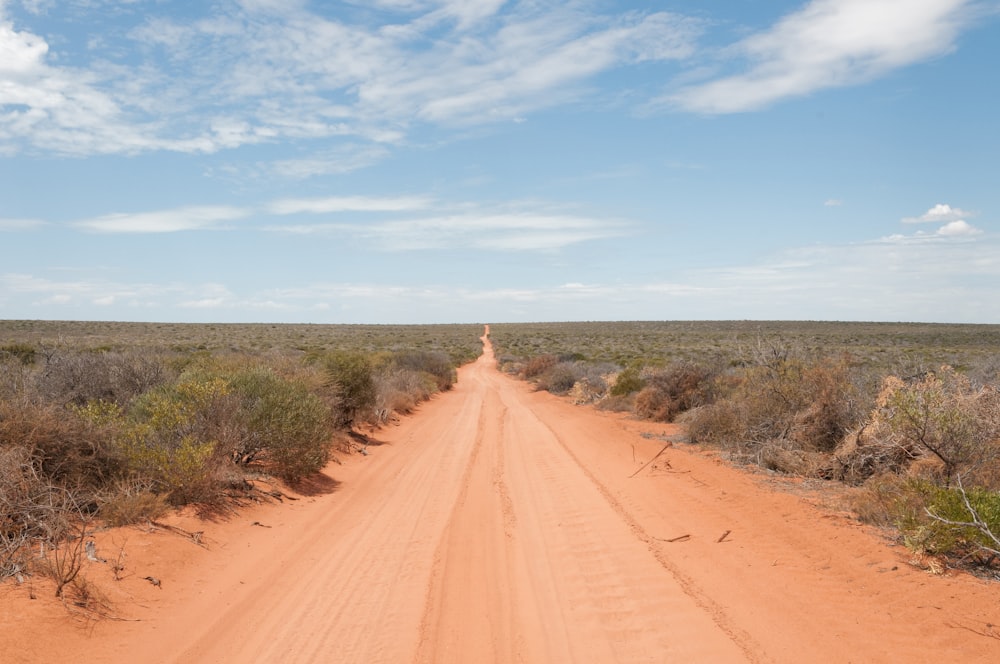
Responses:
[502,525]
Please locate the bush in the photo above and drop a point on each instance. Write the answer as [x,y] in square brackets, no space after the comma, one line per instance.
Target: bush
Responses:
[32,509]
[627,382]
[935,520]
[130,501]
[162,437]
[942,415]
[81,377]
[281,422]
[812,405]
[560,378]
[433,363]
[64,448]
[351,375]
[538,365]
[399,390]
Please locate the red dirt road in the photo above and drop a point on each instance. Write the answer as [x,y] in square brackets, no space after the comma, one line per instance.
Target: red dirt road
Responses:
[503,525]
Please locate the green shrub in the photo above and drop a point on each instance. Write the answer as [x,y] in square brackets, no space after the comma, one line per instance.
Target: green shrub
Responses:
[280,422]
[936,520]
[352,376]
[162,437]
[628,381]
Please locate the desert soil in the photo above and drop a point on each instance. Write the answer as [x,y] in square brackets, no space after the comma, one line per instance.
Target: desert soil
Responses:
[499,524]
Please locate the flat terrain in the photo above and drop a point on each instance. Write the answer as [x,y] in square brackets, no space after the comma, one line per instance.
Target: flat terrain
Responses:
[503,525]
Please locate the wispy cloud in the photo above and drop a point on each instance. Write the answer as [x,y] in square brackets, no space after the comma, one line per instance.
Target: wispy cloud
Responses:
[20,224]
[829,43]
[41,291]
[343,159]
[514,231]
[165,221]
[348,204]
[251,72]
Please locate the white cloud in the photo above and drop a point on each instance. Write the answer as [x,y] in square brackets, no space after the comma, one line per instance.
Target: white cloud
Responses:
[829,43]
[512,231]
[165,221]
[833,202]
[265,71]
[958,227]
[204,303]
[348,204]
[82,294]
[940,213]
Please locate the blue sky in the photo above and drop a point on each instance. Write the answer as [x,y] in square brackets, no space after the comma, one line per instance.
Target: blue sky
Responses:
[437,161]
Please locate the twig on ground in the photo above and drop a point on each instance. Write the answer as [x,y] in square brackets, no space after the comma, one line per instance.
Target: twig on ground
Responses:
[641,468]
[193,536]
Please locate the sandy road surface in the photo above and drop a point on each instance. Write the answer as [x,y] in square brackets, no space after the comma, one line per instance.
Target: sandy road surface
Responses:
[502,525]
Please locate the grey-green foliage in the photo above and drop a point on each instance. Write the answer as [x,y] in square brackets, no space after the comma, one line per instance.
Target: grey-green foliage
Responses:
[281,422]
[353,377]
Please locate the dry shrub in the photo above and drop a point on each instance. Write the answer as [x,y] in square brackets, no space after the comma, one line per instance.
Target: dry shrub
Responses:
[434,364]
[785,457]
[885,499]
[81,377]
[943,416]
[721,424]
[67,449]
[130,501]
[398,389]
[588,390]
[617,403]
[560,378]
[652,403]
[64,560]
[680,387]
[860,457]
[809,405]
[35,511]
[538,365]
[22,517]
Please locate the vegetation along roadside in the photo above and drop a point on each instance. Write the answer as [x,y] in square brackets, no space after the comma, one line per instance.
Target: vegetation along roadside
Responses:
[108,424]
[906,414]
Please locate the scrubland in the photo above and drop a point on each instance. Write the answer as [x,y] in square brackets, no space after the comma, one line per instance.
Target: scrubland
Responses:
[105,424]
[907,415]
[115,423]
